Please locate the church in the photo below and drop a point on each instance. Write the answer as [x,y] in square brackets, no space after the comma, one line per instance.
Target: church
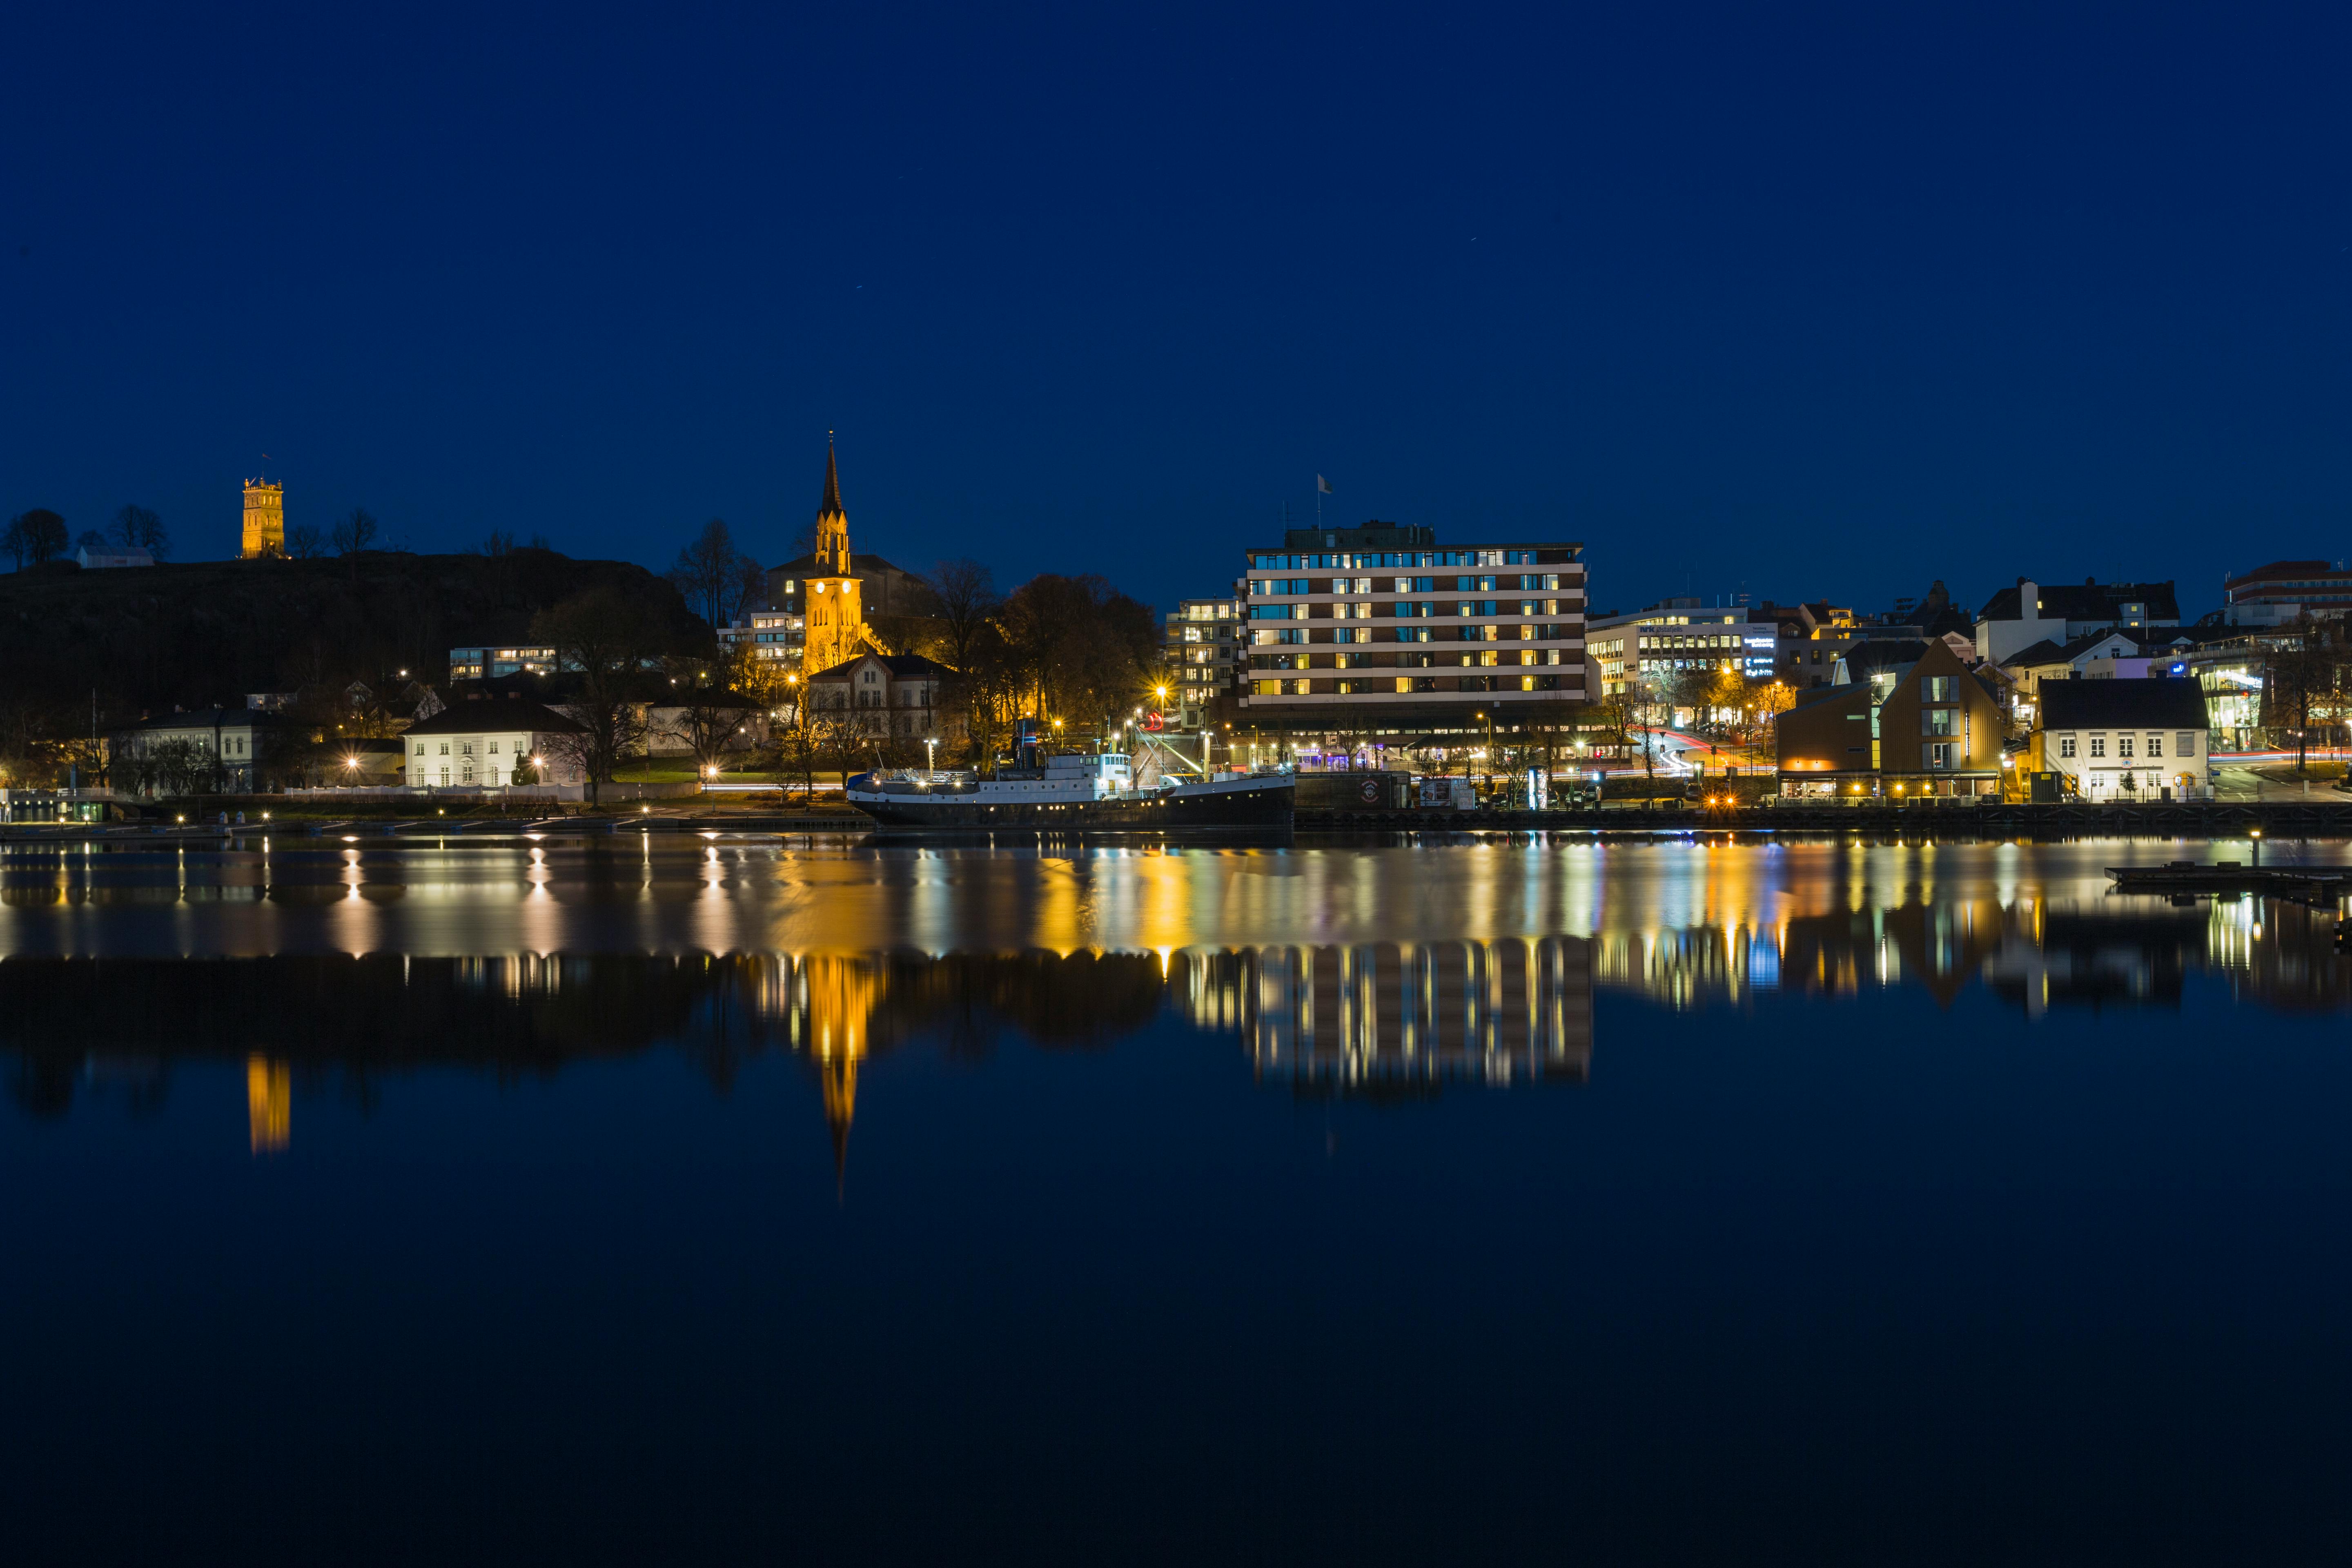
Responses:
[832,590]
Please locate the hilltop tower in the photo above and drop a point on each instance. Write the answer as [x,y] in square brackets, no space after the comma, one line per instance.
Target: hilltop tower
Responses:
[834,630]
[265,519]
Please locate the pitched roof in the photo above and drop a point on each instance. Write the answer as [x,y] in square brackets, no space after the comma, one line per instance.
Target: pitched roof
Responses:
[2088,601]
[2154,704]
[901,666]
[488,713]
[209,718]
[2043,652]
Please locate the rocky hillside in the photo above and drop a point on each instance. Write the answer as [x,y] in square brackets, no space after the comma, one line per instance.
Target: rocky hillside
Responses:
[210,631]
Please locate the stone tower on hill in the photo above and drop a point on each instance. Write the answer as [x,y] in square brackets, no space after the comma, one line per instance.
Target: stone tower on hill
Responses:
[265,519]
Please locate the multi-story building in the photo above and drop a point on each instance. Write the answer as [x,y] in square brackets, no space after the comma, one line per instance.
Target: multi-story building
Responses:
[1201,652]
[775,636]
[481,661]
[1375,629]
[2286,591]
[1673,637]
[1903,720]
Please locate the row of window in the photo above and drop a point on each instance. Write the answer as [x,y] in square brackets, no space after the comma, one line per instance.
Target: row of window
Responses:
[1294,587]
[1414,683]
[1524,631]
[1410,609]
[2184,744]
[1405,661]
[1393,558]
[464,748]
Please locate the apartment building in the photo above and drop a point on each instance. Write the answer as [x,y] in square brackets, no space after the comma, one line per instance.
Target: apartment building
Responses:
[1377,628]
[1203,654]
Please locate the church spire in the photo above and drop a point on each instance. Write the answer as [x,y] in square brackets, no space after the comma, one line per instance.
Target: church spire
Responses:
[831,523]
[832,505]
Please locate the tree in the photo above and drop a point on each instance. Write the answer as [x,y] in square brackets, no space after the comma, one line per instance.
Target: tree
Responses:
[604,638]
[89,539]
[795,757]
[2300,679]
[717,579]
[354,533]
[136,527]
[302,542]
[965,593]
[36,536]
[713,723]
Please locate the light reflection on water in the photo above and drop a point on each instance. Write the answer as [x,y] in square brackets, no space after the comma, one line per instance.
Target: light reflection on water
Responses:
[1355,970]
[1651,1201]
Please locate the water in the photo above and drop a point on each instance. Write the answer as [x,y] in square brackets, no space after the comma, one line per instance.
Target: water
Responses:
[691,1200]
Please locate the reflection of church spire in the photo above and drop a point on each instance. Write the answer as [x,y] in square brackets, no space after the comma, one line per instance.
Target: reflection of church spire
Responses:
[839,1077]
[268,1103]
[841,994]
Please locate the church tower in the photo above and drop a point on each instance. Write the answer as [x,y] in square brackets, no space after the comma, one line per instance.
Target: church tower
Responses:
[265,519]
[835,632]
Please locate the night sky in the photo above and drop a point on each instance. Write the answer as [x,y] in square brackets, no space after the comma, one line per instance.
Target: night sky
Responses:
[1799,302]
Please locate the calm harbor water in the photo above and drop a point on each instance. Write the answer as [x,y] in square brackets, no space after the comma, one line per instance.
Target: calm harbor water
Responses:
[673,1199]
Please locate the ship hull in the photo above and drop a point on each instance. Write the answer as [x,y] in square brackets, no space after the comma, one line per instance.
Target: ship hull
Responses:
[1258,810]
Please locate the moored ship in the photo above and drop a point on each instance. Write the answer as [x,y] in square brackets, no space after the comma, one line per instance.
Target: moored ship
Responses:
[1093,793]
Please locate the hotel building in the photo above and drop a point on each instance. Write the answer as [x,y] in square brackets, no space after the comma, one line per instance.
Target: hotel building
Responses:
[1376,628]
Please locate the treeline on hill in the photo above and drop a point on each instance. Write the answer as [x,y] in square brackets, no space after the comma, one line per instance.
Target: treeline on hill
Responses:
[145,640]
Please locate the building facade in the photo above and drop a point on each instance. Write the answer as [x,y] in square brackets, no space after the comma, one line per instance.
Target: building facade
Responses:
[1203,653]
[1375,628]
[1912,721]
[2286,591]
[265,519]
[198,752]
[482,743]
[1673,638]
[902,695]
[2124,738]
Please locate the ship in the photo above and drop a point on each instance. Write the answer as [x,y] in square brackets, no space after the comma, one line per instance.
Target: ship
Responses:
[1090,794]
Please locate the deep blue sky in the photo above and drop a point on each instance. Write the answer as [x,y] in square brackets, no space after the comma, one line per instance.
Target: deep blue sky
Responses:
[1808,302]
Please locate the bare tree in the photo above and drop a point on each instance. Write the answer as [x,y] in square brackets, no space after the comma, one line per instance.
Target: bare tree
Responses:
[795,757]
[965,592]
[717,579]
[137,528]
[36,536]
[710,720]
[604,638]
[355,532]
[303,543]
[2300,678]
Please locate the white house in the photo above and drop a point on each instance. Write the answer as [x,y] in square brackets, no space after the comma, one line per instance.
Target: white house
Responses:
[478,743]
[899,694]
[2127,738]
[226,742]
[98,557]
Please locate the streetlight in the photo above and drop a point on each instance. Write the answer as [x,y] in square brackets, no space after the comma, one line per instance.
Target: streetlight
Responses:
[932,757]
[2256,835]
